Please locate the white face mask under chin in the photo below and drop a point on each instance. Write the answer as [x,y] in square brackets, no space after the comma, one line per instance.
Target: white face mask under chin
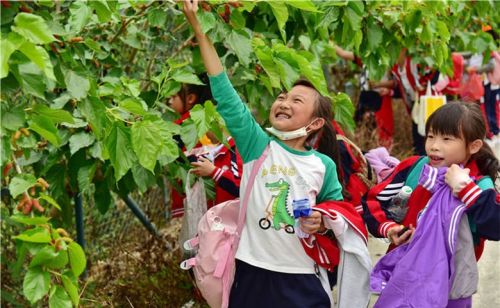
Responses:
[289,135]
[301,132]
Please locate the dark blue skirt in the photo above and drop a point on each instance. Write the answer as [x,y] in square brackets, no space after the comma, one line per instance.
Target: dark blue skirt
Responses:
[256,287]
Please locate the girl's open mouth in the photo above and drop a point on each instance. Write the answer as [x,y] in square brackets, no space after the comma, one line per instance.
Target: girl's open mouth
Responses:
[435,159]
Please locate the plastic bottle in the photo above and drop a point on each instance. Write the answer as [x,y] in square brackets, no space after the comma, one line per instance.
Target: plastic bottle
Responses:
[399,204]
[301,208]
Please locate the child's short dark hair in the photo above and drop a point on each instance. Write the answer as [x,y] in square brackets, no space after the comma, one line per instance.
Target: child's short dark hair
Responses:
[465,120]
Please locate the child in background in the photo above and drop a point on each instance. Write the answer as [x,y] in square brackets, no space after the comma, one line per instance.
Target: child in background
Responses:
[411,81]
[374,96]
[225,165]
[272,268]
[454,137]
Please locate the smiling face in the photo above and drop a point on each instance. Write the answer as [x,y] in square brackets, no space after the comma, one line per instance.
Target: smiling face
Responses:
[294,109]
[445,150]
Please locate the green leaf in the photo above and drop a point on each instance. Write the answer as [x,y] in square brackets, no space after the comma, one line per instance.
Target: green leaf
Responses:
[101,9]
[9,44]
[45,128]
[264,54]
[143,178]
[303,5]
[157,18]
[357,6]
[80,16]
[207,20]
[50,201]
[134,105]
[25,220]
[353,18]
[85,176]
[80,140]
[31,79]
[48,256]
[40,57]
[280,12]
[102,196]
[170,87]
[413,20]
[287,73]
[145,143]
[33,28]
[119,146]
[21,183]
[426,35]
[61,101]
[13,119]
[374,36]
[47,3]
[72,289]
[35,235]
[188,134]
[238,21]
[313,73]
[59,298]
[184,76]
[95,112]
[55,115]
[78,86]
[201,119]
[305,41]
[241,44]
[36,284]
[443,30]
[344,110]
[76,258]
[95,46]
[133,85]
[5,150]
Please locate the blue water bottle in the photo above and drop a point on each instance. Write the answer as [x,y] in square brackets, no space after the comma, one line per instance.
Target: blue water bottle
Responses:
[301,208]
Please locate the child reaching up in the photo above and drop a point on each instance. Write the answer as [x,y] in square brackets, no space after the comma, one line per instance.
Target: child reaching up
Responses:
[272,268]
[454,209]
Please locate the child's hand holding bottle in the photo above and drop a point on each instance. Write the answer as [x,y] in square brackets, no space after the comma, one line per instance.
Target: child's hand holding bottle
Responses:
[307,220]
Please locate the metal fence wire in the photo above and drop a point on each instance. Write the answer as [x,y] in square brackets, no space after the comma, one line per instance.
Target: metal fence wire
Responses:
[119,224]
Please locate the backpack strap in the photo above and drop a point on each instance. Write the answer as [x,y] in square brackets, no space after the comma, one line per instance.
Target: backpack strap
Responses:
[251,180]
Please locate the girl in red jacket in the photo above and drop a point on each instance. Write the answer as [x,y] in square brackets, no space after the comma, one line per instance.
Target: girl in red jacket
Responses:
[454,136]
[224,165]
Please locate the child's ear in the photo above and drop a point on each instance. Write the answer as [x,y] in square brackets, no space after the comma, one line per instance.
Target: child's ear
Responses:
[475,146]
[317,124]
[191,100]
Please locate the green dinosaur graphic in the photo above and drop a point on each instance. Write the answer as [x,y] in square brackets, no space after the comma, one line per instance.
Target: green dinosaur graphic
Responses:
[277,209]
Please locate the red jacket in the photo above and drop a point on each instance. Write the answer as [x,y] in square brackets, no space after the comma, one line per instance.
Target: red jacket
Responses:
[323,249]
[226,175]
[482,205]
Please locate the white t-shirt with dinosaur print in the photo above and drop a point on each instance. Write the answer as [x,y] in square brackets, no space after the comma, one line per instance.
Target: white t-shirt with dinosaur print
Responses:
[268,239]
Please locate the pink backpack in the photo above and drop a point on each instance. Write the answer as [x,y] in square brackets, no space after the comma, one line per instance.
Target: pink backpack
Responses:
[216,243]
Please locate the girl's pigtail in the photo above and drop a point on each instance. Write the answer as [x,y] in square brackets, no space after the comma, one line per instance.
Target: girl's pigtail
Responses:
[487,162]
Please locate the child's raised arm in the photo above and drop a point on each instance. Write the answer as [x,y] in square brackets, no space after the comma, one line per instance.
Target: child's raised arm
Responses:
[210,57]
